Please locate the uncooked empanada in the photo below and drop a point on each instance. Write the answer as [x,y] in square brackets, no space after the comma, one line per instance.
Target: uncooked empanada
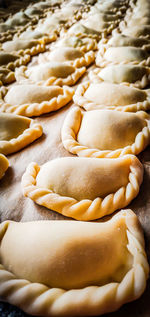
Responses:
[31,47]
[85,43]
[106,95]
[11,61]
[37,35]
[79,29]
[18,19]
[84,188]
[50,73]
[67,54]
[133,75]
[34,100]
[6,76]
[122,55]
[123,40]
[105,133]
[142,31]
[16,132]
[69,268]
[96,23]
[4,164]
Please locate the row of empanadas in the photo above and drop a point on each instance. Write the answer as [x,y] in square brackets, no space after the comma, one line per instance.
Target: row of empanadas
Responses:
[101,265]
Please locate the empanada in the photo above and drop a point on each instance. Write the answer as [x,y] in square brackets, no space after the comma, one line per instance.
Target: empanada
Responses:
[31,34]
[85,43]
[122,55]
[50,73]
[11,61]
[106,95]
[18,19]
[67,54]
[34,100]
[4,164]
[131,75]
[96,23]
[79,29]
[142,31]
[84,188]
[16,132]
[105,133]
[30,47]
[68,268]
[123,40]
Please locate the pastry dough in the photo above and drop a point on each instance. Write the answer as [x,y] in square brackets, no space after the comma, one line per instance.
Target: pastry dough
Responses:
[123,40]
[6,76]
[122,55]
[4,164]
[133,75]
[84,188]
[70,262]
[31,47]
[18,19]
[16,132]
[105,133]
[85,44]
[34,100]
[13,60]
[111,96]
[67,54]
[50,73]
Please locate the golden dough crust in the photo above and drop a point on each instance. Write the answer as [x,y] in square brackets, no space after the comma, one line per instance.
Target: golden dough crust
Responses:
[4,164]
[103,95]
[105,133]
[89,193]
[52,73]
[17,132]
[100,290]
[34,100]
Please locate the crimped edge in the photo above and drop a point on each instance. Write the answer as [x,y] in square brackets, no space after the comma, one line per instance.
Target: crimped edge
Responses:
[36,109]
[71,129]
[28,136]
[108,297]
[7,78]
[86,209]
